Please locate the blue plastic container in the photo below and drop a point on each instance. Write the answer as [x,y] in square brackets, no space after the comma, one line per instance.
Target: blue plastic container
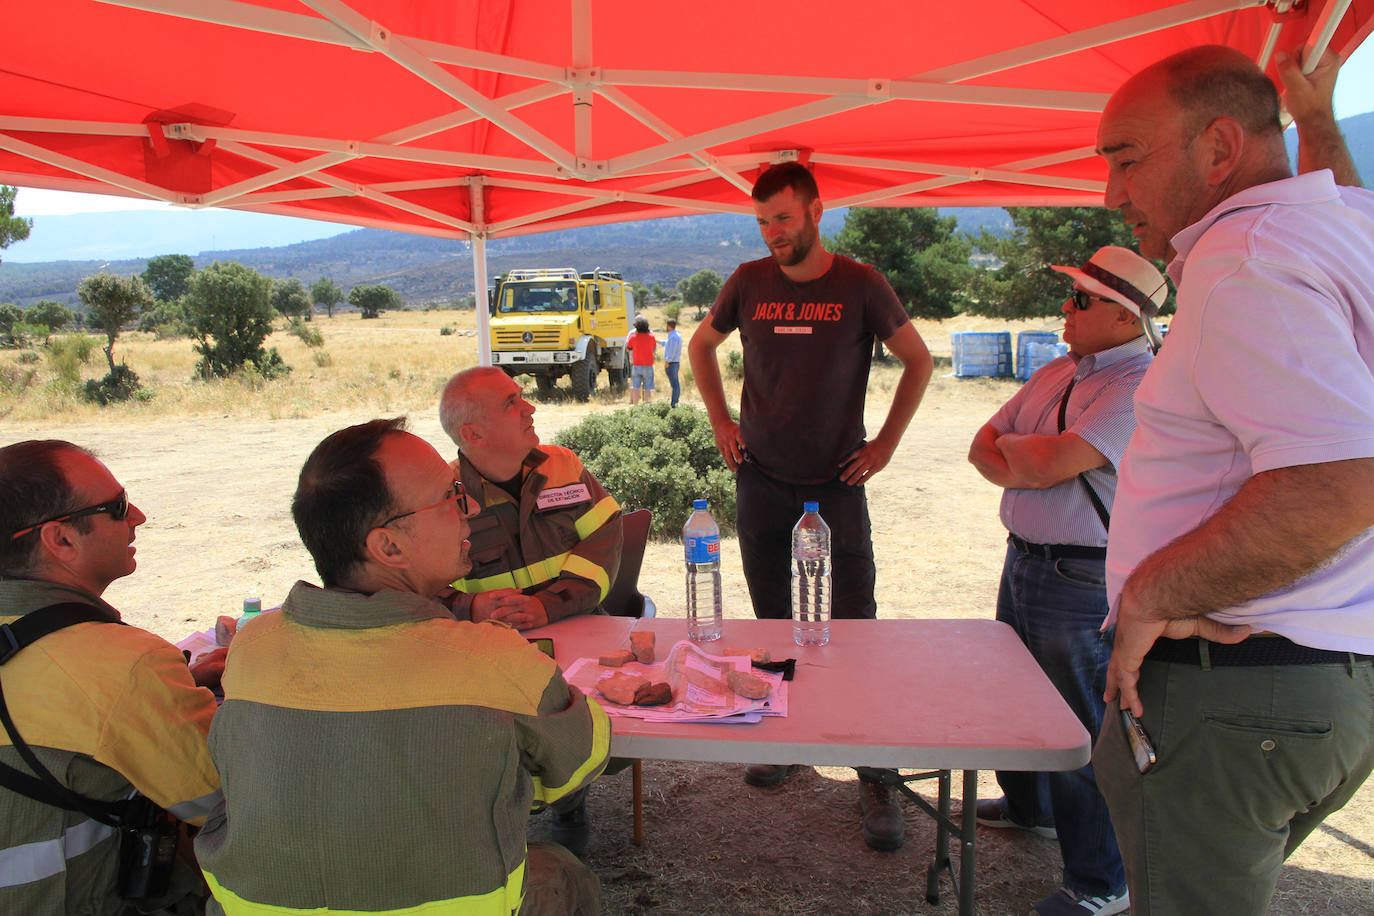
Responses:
[1040,354]
[982,353]
[1024,369]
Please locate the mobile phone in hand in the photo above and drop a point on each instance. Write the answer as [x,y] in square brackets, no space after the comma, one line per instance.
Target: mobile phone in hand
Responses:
[1141,748]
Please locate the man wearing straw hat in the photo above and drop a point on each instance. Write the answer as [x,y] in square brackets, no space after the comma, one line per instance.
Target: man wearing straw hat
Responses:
[1055,447]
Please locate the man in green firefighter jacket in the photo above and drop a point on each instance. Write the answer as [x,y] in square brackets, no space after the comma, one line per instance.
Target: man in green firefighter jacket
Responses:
[546,538]
[377,754]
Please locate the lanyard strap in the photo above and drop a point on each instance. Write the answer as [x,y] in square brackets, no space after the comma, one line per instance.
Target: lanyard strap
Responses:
[1102,514]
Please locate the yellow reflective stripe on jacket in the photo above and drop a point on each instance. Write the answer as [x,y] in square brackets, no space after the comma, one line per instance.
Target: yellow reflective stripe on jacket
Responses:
[533,574]
[581,566]
[595,517]
[601,750]
[503,901]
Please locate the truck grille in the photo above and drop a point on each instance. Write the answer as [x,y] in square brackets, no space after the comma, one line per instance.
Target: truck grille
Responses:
[544,338]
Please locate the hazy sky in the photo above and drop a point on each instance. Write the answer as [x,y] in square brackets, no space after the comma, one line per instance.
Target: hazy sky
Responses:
[1353,96]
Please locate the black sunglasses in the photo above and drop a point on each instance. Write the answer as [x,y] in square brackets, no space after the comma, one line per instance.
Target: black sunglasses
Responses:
[459,494]
[118,509]
[1083,300]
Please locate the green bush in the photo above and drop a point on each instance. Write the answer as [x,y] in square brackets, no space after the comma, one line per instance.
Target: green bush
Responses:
[659,458]
[672,310]
[119,384]
[734,364]
[28,356]
[323,358]
[166,320]
[67,354]
[445,331]
[307,334]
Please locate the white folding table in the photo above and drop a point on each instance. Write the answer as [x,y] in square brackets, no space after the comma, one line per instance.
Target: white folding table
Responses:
[936,695]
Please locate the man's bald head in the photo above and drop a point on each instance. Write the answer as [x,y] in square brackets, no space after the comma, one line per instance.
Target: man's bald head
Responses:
[1215,81]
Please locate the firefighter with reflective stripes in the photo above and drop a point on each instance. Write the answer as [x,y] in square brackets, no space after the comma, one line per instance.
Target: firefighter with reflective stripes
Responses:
[107,710]
[546,542]
[379,756]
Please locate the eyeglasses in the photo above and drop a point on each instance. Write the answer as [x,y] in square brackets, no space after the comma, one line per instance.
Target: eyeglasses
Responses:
[458,494]
[1083,300]
[118,509]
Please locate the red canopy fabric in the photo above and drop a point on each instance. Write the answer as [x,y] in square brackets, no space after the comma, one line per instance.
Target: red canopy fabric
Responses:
[485,118]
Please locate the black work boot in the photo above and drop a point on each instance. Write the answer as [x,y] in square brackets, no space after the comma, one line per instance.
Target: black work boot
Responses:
[883,827]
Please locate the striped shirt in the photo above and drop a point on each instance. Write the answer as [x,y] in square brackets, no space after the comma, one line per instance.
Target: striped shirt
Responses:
[1101,413]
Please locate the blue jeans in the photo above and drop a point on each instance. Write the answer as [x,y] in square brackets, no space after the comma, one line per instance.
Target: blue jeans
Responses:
[671,370]
[1057,608]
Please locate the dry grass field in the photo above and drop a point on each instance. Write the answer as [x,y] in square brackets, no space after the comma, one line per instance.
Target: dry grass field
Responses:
[213,466]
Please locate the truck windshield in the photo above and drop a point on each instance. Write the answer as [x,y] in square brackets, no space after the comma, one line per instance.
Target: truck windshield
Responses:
[538,297]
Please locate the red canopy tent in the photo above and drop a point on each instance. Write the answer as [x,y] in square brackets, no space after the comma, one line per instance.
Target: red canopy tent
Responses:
[485,118]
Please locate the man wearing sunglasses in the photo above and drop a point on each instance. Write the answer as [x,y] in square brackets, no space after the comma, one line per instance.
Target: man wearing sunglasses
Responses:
[1055,447]
[379,755]
[108,710]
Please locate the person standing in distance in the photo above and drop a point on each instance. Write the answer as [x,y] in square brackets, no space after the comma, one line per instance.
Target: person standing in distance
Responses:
[807,320]
[641,345]
[672,359]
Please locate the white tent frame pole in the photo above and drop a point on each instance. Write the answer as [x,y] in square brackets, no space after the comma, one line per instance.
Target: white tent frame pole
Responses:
[1330,17]
[254,18]
[477,210]
[404,55]
[132,185]
[663,129]
[1084,39]
[355,190]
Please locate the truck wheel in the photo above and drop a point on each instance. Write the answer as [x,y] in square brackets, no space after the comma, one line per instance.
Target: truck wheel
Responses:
[544,385]
[619,375]
[584,378]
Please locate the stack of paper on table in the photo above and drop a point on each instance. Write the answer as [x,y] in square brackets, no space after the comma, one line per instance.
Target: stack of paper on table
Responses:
[700,693]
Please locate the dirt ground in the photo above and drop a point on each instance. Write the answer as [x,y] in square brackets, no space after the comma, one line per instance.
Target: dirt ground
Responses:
[216,490]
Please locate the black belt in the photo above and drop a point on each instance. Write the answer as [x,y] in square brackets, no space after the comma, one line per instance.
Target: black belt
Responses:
[1255,651]
[1058,551]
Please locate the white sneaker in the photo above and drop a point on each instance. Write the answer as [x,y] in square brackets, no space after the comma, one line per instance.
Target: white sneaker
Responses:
[1065,902]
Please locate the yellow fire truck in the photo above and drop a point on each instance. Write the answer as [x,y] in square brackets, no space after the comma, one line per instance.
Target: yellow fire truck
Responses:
[553,321]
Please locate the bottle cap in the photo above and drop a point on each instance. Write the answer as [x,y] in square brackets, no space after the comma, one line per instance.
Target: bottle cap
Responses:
[252,606]
[699,504]
[811,507]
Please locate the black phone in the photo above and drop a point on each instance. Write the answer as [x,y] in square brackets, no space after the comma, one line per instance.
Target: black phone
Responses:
[1141,748]
[543,644]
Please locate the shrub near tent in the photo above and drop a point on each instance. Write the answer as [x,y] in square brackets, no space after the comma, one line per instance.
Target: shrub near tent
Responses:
[659,458]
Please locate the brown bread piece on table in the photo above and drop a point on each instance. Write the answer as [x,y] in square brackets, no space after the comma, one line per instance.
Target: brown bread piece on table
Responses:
[621,688]
[654,695]
[224,629]
[616,659]
[749,686]
[756,656]
[642,643]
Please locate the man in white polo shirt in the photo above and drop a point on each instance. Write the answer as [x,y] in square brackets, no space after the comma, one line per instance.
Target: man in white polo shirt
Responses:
[1241,566]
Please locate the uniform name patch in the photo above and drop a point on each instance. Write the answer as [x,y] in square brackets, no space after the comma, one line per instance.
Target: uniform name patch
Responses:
[555,497]
[791,329]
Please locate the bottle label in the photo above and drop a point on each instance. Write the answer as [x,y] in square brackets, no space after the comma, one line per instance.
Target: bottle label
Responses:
[702,549]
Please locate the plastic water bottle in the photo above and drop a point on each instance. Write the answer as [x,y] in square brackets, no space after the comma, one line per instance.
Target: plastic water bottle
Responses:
[811,578]
[701,550]
[252,607]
